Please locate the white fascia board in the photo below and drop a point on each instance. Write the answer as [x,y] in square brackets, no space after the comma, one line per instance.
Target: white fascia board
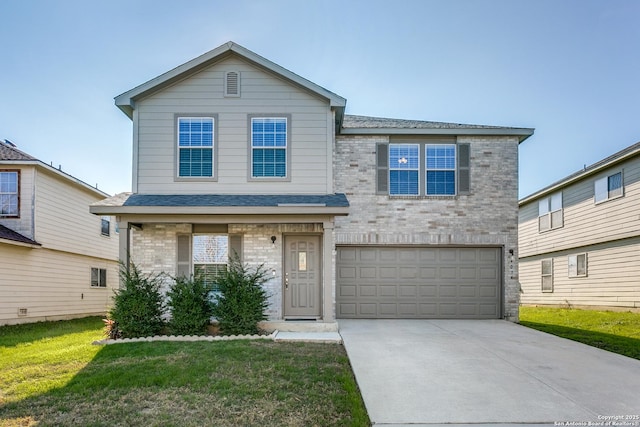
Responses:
[218,210]
[521,133]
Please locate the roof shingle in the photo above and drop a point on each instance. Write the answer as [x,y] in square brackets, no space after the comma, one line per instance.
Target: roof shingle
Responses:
[9,234]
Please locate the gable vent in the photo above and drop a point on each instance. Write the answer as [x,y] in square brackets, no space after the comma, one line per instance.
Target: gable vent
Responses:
[232,83]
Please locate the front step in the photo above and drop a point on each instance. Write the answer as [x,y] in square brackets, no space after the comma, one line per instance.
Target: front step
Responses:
[298,326]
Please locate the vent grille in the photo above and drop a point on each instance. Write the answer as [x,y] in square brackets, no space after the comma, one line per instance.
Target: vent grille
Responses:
[22,312]
[232,83]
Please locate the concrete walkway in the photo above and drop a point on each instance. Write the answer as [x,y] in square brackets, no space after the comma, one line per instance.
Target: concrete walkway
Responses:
[430,372]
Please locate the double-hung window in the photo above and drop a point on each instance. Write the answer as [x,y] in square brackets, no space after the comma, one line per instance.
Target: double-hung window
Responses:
[210,255]
[269,146]
[196,147]
[608,187]
[577,265]
[423,169]
[550,212]
[441,169]
[9,194]
[404,169]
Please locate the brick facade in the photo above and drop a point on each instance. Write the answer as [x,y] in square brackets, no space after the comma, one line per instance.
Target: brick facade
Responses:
[487,216]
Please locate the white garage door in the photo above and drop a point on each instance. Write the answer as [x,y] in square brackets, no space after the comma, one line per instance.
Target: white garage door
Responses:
[418,282]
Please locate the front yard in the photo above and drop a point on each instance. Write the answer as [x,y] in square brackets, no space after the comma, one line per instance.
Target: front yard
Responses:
[618,332]
[50,374]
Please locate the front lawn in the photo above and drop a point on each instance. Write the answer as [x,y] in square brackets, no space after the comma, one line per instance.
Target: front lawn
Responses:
[50,374]
[618,332]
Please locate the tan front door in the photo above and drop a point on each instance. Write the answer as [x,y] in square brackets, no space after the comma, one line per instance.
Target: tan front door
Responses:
[302,277]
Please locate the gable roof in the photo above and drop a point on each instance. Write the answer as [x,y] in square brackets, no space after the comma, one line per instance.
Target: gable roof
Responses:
[620,156]
[126,101]
[9,154]
[8,151]
[9,236]
[358,125]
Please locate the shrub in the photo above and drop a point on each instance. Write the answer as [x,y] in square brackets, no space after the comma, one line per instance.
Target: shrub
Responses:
[190,306]
[242,301]
[138,304]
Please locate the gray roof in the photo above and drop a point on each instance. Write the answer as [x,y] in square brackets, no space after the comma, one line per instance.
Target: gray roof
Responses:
[236,200]
[624,154]
[354,125]
[9,234]
[10,152]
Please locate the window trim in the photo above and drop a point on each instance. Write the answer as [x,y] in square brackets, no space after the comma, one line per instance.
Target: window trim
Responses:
[550,212]
[606,178]
[542,276]
[577,274]
[176,142]
[17,214]
[102,274]
[288,169]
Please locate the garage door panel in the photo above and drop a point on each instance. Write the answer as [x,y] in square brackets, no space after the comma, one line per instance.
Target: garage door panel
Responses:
[420,282]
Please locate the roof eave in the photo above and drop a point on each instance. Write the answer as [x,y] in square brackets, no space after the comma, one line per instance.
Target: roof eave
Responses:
[18,243]
[220,210]
[521,133]
[126,100]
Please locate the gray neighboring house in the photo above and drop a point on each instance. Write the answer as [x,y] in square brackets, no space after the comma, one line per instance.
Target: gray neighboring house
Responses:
[580,237]
[356,217]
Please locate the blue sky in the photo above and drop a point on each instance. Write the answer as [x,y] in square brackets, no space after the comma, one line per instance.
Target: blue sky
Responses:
[568,68]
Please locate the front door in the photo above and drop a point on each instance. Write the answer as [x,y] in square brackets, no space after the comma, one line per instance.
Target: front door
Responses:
[302,277]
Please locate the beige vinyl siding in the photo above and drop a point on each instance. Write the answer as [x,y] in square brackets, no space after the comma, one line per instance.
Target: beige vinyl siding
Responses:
[63,221]
[51,285]
[24,224]
[613,277]
[585,223]
[262,93]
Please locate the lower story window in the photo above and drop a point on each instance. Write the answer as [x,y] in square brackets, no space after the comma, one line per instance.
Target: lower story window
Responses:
[577,265]
[547,275]
[99,277]
[210,257]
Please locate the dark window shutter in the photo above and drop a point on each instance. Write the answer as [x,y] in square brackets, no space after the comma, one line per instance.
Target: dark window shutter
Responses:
[184,256]
[464,163]
[382,169]
[235,245]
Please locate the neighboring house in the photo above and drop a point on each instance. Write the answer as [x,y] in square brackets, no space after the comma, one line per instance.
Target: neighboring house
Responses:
[580,237]
[354,216]
[57,260]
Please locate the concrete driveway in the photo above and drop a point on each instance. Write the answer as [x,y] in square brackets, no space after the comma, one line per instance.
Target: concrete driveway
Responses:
[414,372]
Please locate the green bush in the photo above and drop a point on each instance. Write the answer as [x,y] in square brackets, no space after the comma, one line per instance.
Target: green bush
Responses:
[190,306]
[242,301]
[137,305]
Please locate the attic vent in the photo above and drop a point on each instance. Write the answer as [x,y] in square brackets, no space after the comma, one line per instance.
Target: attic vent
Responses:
[232,83]
[22,312]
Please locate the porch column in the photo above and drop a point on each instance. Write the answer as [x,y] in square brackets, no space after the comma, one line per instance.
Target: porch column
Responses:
[328,273]
[124,243]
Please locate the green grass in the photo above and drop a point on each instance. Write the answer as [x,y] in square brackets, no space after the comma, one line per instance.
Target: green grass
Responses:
[50,374]
[618,332]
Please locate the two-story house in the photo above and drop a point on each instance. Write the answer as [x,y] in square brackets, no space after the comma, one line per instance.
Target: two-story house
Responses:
[580,237]
[57,260]
[354,216]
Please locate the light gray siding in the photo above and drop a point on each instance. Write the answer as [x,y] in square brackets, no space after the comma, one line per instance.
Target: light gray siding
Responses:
[607,232]
[203,93]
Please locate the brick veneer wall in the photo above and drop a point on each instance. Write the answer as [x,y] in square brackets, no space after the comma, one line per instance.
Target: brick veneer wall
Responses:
[487,216]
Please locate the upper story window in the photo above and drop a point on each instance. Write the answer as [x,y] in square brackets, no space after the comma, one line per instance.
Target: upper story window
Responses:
[9,194]
[404,169]
[550,214]
[608,187]
[105,225]
[441,170]
[269,147]
[195,147]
